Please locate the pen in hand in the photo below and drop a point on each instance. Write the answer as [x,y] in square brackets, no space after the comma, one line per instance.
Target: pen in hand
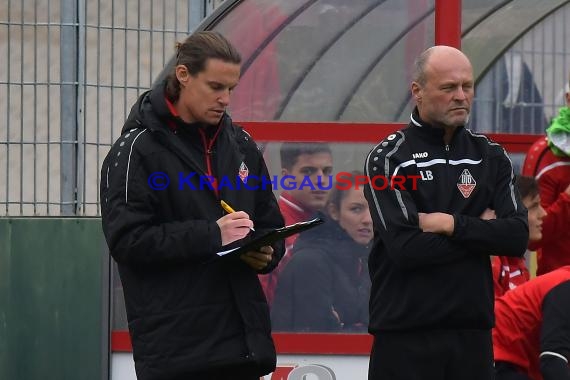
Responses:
[230,210]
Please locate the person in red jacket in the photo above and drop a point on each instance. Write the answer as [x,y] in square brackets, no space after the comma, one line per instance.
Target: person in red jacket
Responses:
[510,272]
[548,160]
[531,338]
[300,201]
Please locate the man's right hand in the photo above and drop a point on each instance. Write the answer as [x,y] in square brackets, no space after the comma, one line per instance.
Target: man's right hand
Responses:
[488,214]
[234,226]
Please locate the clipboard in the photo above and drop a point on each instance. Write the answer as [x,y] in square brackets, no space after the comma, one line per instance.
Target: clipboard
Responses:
[273,236]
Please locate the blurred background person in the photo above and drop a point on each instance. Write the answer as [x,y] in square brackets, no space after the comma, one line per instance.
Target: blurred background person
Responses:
[531,338]
[299,201]
[548,160]
[510,272]
[326,286]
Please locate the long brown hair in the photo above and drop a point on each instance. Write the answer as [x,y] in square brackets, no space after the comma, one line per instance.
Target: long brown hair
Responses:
[194,52]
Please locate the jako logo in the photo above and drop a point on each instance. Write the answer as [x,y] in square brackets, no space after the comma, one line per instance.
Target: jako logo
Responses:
[419,155]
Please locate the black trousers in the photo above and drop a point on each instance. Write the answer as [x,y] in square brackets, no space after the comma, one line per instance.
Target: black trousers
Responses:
[441,354]
[507,371]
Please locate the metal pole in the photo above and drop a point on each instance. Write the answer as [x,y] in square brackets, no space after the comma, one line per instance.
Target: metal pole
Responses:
[448,23]
[68,107]
[196,13]
[80,146]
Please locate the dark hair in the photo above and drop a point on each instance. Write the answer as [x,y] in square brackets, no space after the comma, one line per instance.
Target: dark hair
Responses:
[194,52]
[290,152]
[339,192]
[527,186]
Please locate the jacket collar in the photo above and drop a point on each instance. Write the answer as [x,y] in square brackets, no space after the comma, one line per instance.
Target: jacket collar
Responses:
[427,130]
[294,207]
[160,120]
[152,112]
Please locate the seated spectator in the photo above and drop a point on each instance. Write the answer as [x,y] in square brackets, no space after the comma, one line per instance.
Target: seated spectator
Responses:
[548,160]
[326,286]
[510,272]
[531,338]
[300,162]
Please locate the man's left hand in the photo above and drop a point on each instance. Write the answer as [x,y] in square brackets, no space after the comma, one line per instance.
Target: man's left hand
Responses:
[258,260]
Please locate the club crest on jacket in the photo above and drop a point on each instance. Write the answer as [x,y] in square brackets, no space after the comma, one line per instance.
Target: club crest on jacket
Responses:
[466,183]
[243,172]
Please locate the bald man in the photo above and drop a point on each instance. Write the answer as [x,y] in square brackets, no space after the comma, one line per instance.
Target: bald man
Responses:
[431,306]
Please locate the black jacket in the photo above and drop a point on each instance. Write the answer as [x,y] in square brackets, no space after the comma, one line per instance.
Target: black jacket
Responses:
[188,309]
[327,272]
[431,281]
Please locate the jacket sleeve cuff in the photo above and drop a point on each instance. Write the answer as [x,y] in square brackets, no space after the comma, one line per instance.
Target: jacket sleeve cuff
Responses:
[456,226]
[554,368]
[215,237]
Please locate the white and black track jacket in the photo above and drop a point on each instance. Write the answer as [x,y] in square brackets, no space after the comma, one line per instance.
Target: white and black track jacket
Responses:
[430,281]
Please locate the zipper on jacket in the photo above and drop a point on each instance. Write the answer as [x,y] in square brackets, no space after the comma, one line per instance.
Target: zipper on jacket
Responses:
[446,164]
[208,144]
